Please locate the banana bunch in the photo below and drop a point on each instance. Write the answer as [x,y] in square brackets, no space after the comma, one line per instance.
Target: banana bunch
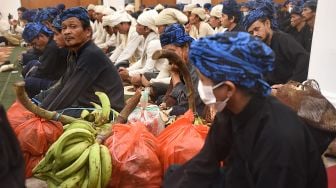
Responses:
[101,113]
[77,159]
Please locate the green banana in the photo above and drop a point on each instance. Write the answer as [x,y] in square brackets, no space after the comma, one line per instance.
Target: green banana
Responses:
[77,140]
[106,165]
[75,179]
[51,184]
[68,135]
[49,176]
[84,113]
[81,124]
[106,107]
[75,166]
[72,152]
[94,165]
[86,181]
[46,161]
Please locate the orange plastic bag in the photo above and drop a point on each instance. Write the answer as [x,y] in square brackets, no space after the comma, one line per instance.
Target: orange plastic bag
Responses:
[37,134]
[181,141]
[30,162]
[134,157]
[18,114]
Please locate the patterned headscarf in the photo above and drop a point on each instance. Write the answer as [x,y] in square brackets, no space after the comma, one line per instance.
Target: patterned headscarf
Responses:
[175,34]
[264,9]
[32,30]
[57,24]
[231,8]
[46,14]
[29,15]
[78,12]
[234,56]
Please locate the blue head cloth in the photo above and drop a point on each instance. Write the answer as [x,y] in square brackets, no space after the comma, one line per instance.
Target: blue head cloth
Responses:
[57,24]
[46,14]
[32,30]
[296,10]
[250,4]
[264,9]
[234,56]
[29,15]
[175,34]
[207,6]
[312,4]
[230,7]
[78,12]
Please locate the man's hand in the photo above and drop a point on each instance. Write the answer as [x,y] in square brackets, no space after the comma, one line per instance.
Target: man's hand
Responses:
[124,74]
[275,87]
[136,80]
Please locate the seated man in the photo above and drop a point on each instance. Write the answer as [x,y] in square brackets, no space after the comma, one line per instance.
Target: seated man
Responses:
[291,59]
[89,69]
[41,74]
[199,28]
[128,52]
[262,141]
[176,39]
[157,69]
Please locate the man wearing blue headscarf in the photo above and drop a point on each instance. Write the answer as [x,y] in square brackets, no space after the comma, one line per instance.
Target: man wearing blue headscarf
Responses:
[89,69]
[42,73]
[291,59]
[175,38]
[261,141]
[299,29]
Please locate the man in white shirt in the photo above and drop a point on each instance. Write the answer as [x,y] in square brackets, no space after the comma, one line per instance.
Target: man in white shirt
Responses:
[130,49]
[157,69]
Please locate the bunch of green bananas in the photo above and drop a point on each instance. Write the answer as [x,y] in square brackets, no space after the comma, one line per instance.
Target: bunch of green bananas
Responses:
[77,159]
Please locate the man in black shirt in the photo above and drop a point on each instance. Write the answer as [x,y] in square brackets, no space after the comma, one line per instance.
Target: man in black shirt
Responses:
[291,59]
[299,29]
[231,16]
[89,69]
[262,142]
[42,73]
[309,13]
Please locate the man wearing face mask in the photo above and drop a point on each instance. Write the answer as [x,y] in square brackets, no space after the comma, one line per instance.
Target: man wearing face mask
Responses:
[262,142]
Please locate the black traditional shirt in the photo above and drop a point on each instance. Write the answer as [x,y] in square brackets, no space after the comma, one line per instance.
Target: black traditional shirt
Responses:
[266,145]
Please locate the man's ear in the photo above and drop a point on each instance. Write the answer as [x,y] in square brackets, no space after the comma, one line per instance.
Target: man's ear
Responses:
[231,88]
[268,23]
[88,32]
[232,19]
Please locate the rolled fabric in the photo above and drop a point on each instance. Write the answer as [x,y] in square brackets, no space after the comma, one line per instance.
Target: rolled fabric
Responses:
[200,12]
[234,56]
[147,19]
[169,16]
[32,30]
[189,8]
[175,34]
[216,11]
[130,7]
[159,7]
[91,7]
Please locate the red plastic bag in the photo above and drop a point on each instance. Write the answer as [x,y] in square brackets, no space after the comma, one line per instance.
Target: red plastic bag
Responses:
[30,162]
[181,141]
[37,134]
[134,157]
[18,114]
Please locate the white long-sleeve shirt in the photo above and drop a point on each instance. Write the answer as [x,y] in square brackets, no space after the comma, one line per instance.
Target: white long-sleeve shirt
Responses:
[130,49]
[204,30]
[146,63]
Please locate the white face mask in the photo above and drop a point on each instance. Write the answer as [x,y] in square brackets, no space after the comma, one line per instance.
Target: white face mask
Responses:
[208,97]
